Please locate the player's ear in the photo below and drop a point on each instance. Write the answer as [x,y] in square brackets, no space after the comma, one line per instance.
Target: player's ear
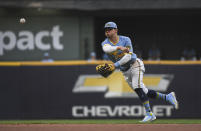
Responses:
[116,30]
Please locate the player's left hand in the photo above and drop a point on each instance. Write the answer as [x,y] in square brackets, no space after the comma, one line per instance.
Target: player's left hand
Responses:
[105,69]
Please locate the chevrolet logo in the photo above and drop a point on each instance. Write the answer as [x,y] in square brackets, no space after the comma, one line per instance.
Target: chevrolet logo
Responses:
[115,85]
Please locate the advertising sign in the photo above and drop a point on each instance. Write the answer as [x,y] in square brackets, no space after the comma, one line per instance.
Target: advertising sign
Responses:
[29,41]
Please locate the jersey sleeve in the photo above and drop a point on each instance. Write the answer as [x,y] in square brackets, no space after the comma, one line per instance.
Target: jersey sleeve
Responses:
[107,48]
[104,43]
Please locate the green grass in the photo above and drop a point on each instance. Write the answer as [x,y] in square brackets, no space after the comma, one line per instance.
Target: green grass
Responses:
[136,121]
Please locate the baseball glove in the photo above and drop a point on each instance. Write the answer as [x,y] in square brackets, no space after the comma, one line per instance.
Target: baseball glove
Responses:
[105,69]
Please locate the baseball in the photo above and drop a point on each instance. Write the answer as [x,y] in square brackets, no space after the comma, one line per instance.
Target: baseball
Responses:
[22,20]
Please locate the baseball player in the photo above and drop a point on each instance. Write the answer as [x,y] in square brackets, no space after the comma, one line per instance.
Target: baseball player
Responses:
[120,51]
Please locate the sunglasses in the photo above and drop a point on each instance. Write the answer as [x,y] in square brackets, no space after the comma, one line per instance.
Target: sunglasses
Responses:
[109,29]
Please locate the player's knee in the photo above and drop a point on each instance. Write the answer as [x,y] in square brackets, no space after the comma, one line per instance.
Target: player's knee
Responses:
[141,94]
[142,86]
[151,94]
[136,85]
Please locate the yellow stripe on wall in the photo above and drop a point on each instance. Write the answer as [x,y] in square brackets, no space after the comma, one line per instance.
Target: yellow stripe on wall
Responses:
[55,63]
[10,64]
[172,62]
[83,62]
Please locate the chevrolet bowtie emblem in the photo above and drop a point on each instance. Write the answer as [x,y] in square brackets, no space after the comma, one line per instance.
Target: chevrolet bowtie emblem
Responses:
[116,86]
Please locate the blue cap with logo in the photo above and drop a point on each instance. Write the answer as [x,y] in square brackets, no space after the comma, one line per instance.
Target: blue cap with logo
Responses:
[111,25]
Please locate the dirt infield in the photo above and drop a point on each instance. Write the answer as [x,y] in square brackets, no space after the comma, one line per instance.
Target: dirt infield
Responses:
[100,127]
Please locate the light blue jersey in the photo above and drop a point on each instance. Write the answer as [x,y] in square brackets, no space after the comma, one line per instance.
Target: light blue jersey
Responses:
[115,56]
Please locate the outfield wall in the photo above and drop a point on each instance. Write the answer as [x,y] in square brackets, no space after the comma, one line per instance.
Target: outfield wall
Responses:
[73,90]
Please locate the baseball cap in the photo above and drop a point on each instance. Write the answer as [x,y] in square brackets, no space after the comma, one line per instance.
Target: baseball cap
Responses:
[110,25]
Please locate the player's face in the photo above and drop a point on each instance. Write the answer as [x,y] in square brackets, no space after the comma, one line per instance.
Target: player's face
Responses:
[109,32]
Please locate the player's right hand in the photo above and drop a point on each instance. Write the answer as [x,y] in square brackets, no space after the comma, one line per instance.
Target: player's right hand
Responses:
[124,49]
